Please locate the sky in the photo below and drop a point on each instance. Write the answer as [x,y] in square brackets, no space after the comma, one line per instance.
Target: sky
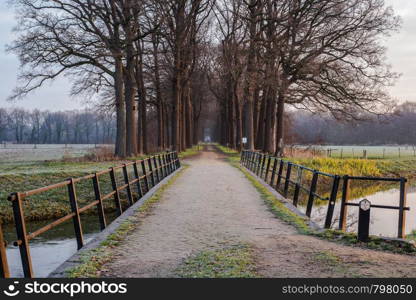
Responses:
[401,54]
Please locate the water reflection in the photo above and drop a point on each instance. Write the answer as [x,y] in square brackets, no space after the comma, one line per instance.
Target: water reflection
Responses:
[383,222]
[52,248]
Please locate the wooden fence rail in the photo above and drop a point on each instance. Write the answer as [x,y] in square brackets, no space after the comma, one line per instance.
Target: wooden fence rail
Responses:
[262,165]
[156,168]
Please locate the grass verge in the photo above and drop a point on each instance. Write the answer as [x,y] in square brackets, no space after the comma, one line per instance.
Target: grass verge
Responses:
[190,152]
[93,260]
[232,262]
[276,206]
[352,167]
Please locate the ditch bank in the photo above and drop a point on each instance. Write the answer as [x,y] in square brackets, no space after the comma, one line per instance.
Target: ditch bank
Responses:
[305,225]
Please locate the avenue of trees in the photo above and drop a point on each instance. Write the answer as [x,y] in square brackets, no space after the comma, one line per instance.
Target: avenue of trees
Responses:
[230,66]
[301,127]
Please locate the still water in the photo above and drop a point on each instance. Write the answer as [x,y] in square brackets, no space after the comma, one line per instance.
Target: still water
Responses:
[383,222]
[50,249]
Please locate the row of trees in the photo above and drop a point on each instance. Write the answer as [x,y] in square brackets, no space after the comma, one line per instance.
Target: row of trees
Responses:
[139,56]
[65,127]
[323,56]
[89,127]
[398,127]
[233,65]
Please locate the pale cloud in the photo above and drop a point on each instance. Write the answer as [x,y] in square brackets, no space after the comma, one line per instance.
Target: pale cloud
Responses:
[401,52]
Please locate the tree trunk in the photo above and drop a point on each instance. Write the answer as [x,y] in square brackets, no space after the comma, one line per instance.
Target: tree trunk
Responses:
[130,92]
[131,125]
[261,123]
[250,85]
[239,123]
[280,124]
[249,124]
[120,149]
[256,115]
[168,137]
[142,113]
[270,121]
[188,117]
[196,131]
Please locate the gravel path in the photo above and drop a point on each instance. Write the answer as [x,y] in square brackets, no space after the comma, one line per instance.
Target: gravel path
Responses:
[212,205]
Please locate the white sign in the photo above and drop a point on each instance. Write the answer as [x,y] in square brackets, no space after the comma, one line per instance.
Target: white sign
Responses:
[244,140]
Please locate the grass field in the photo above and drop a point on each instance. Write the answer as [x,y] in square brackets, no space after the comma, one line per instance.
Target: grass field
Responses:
[22,172]
[21,153]
[370,152]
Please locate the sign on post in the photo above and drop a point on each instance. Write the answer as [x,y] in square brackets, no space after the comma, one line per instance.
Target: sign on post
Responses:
[364,220]
[244,140]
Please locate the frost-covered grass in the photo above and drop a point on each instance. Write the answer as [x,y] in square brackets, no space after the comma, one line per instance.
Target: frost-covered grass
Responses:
[373,152]
[54,203]
[22,153]
[236,261]
[28,173]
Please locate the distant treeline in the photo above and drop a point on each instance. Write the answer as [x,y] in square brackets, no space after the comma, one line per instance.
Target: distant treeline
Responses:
[398,127]
[64,127]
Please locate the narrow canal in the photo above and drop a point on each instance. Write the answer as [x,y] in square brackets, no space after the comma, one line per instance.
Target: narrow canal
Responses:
[52,248]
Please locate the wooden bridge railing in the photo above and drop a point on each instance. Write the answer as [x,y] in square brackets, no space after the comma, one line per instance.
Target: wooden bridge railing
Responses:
[262,165]
[153,170]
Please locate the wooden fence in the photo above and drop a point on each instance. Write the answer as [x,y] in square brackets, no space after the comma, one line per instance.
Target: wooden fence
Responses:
[264,165]
[147,173]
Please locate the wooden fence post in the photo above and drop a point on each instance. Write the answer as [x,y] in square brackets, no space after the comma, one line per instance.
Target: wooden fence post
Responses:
[287,180]
[258,164]
[162,171]
[76,218]
[266,175]
[297,187]
[263,161]
[139,182]
[116,193]
[273,171]
[151,173]
[279,174]
[344,200]
[171,166]
[4,266]
[156,169]
[166,163]
[100,207]
[401,232]
[312,191]
[172,159]
[331,202]
[21,233]
[251,161]
[146,181]
[127,182]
